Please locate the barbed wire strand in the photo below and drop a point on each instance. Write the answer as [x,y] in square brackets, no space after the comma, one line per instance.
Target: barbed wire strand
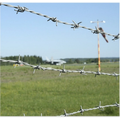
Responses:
[89,109]
[95,108]
[66,71]
[22,9]
[81,72]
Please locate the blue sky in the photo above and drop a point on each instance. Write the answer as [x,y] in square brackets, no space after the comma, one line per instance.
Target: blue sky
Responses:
[30,34]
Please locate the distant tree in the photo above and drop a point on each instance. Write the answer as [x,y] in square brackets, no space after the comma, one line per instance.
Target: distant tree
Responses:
[70,61]
[77,61]
[89,61]
[96,60]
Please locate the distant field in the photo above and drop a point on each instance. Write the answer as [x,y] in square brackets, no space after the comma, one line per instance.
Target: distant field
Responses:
[47,93]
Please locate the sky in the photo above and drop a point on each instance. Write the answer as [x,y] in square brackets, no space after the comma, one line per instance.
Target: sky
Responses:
[29,34]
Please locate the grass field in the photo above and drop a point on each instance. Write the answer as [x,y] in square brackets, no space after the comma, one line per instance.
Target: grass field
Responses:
[47,93]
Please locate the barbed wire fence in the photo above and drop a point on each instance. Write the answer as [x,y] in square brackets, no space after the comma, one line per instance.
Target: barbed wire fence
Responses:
[99,107]
[54,19]
[89,109]
[83,72]
[80,71]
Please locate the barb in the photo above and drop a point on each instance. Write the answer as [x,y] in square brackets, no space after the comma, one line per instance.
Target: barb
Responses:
[95,108]
[116,37]
[100,107]
[53,19]
[22,9]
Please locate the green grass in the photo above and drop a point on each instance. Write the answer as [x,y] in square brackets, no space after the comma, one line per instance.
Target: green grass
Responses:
[47,93]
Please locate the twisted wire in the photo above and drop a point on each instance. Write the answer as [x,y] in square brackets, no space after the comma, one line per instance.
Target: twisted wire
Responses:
[22,9]
[95,108]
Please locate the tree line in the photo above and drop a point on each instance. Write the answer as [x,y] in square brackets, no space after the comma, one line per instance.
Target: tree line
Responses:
[90,60]
[26,58]
[34,60]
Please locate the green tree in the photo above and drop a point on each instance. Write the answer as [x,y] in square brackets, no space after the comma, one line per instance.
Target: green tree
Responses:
[77,61]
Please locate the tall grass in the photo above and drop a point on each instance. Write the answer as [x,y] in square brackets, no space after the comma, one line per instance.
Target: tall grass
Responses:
[47,93]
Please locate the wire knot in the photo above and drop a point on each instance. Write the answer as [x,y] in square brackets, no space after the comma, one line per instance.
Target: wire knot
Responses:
[81,110]
[20,9]
[117,105]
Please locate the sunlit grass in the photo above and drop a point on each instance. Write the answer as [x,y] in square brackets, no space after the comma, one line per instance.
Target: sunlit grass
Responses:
[47,93]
